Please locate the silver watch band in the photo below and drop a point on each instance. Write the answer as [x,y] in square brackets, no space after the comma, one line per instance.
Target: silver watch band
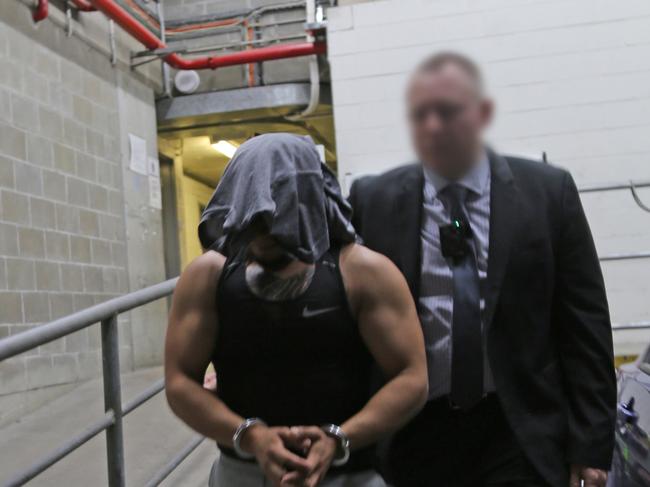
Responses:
[343,450]
[239,432]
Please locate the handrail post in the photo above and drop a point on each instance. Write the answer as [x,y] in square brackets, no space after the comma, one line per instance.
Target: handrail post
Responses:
[113,401]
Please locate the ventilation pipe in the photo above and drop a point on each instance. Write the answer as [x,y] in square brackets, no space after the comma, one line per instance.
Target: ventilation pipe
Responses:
[115,12]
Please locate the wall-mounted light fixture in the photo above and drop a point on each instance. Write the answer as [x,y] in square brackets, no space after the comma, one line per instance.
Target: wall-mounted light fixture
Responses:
[226,148]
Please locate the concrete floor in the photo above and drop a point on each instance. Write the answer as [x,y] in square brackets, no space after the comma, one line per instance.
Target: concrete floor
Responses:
[152,436]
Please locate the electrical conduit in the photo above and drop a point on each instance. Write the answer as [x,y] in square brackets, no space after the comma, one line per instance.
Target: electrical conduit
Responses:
[150,41]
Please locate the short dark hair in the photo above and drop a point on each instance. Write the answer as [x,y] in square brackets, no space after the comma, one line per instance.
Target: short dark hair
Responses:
[437,61]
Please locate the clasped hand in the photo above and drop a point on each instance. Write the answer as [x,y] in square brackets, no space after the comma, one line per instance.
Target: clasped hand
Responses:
[291,457]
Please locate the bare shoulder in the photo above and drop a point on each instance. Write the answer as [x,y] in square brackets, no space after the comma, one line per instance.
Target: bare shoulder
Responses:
[373,282]
[358,258]
[365,269]
[201,276]
[207,265]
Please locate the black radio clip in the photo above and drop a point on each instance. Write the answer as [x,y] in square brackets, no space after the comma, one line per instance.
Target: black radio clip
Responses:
[454,239]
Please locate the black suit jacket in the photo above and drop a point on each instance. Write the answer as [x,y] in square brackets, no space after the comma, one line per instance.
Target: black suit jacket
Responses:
[549,339]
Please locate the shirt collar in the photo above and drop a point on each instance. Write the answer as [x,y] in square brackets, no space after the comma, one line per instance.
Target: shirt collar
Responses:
[476,180]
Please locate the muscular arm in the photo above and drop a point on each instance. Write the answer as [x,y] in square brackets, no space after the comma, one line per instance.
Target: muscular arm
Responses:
[191,337]
[391,330]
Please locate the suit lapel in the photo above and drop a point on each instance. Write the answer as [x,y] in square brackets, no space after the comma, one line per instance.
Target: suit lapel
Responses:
[503,213]
[408,214]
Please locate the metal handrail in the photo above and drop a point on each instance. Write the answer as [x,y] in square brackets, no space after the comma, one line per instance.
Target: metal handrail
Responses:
[614,186]
[143,397]
[43,334]
[105,313]
[638,325]
[62,451]
[628,256]
[164,472]
[632,186]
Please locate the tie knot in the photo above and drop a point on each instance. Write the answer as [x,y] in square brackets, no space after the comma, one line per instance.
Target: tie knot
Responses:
[454,200]
[456,193]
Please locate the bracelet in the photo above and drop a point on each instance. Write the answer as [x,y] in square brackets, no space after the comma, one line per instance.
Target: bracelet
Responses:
[343,443]
[239,432]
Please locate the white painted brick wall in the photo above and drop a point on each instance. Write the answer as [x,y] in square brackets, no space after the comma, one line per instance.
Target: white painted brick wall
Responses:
[570,77]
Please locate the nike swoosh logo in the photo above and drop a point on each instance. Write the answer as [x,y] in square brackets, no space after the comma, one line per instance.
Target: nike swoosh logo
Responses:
[310,313]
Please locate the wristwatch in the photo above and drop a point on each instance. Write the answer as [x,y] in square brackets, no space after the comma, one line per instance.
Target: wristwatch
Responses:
[343,444]
[239,432]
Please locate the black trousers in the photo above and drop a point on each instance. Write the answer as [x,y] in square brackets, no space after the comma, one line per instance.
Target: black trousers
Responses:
[445,447]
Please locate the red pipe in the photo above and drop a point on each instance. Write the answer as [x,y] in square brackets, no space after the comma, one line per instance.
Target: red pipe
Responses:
[150,41]
[250,56]
[83,5]
[41,10]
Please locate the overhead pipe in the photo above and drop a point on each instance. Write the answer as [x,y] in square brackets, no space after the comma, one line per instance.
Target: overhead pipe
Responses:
[41,10]
[152,42]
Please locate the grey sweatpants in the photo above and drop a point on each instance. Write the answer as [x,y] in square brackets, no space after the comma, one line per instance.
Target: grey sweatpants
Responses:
[229,472]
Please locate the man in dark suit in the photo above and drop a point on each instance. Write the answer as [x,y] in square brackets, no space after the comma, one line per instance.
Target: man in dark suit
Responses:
[500,260]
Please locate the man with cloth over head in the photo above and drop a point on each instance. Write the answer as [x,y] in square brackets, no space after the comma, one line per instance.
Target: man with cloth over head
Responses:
[292,313]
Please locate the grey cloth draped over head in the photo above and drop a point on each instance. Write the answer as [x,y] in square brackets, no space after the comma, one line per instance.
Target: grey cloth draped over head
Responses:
[277,179]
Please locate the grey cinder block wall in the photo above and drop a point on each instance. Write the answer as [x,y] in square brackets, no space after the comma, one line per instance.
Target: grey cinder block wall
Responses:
[75,224]
[76,227]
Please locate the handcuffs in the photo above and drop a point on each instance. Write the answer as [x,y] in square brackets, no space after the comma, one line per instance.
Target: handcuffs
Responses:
[333,431]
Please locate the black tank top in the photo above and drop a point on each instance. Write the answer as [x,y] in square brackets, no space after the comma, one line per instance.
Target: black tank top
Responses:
[294,362]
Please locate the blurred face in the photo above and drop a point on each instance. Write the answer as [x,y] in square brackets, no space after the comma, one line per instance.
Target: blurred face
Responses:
[448,114]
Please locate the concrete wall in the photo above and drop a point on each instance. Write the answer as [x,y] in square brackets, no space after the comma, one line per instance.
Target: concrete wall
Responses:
[570,77]
[75,227]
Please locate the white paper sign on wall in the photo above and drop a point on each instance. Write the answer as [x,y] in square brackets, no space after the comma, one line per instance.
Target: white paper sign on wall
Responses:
[138,160]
